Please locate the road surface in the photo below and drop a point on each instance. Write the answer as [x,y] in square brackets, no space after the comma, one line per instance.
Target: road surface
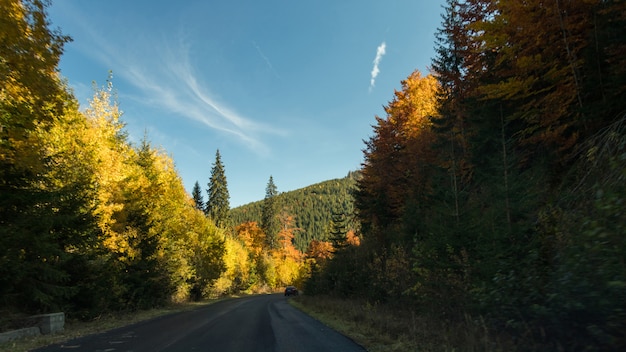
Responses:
[257,323]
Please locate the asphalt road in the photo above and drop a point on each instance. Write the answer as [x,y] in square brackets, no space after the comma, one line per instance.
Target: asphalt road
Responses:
[257,323]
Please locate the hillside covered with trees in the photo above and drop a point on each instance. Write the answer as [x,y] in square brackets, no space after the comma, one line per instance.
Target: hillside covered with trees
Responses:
[312,208]
[493,189]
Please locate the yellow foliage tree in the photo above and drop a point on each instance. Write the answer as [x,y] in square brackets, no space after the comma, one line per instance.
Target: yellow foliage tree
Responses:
[252,237]
[238,275]
[31,91]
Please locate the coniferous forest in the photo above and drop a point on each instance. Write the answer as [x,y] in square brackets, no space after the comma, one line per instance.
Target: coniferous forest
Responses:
[494,186]
[312,208]
[493,189]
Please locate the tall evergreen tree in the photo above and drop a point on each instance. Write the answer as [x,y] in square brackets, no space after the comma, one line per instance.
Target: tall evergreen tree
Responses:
[453,70]
[41,214]
[196,193]
[218,203]
[269,221]
[338,230]
[146,279]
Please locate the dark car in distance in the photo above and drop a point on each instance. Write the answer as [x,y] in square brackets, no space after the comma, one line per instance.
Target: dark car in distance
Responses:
[291,291]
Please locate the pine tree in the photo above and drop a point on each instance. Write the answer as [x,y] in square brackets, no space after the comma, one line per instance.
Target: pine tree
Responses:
[269,221]
[454,73]
[338,232]
[218,203]
[196,193]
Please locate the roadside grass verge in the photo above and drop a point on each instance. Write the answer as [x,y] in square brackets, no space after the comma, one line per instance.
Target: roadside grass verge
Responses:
[76,328]
[386,328]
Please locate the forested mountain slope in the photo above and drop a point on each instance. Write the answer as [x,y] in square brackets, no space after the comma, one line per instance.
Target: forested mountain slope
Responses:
[312,207]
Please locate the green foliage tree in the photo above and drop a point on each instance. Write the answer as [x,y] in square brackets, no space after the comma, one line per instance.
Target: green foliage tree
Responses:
[146,283]
[218,202]
[338,230]
[269,220]
[38,255]
[196,194]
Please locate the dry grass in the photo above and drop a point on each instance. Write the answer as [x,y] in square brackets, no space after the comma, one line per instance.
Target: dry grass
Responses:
[382,328]
[74,329]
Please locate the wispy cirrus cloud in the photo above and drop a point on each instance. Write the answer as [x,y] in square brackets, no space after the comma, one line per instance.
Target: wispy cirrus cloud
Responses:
[265,58]
[175,85]
[162,71]
[380,52]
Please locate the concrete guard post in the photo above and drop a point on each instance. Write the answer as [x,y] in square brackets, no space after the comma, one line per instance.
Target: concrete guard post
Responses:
[51,323]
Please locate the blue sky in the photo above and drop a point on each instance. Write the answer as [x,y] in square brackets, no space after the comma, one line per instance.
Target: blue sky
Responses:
[282,88]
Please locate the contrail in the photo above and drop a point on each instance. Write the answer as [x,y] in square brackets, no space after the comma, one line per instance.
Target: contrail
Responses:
[380,51]
[267,61]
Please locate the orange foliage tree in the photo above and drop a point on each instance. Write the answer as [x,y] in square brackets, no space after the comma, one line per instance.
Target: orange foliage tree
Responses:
[286,236]
[398,155]
[252,236]
[319,250]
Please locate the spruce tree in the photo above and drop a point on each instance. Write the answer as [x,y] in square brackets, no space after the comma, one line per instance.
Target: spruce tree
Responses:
[338,230]
[196,193]
[269,220]
[218,203]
